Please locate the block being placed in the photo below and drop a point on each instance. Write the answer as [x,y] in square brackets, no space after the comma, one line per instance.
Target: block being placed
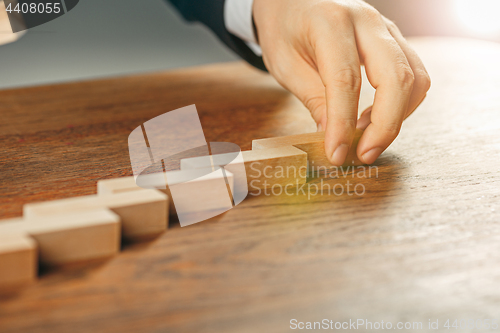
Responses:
[203,179]
[72,237]
[18,259]
[314,145]
[143,213]
[264,168]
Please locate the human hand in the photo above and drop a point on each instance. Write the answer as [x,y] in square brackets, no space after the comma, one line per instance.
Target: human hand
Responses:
[315,48]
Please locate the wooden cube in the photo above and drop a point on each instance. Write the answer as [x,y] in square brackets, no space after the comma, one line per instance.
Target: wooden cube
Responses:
[143,213]
[264,168]
[314,145]
[18,259]
[203,179]
[71,237]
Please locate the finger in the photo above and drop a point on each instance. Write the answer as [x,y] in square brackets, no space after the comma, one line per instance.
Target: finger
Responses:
[390,74]
[305,83]
[422,81]
[365,119]
[339,69]
[410,111]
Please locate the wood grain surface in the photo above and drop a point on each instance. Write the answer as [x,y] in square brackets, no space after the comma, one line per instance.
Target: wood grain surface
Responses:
[422,242]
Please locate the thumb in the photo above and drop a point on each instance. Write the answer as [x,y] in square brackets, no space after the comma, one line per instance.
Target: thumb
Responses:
[305,83]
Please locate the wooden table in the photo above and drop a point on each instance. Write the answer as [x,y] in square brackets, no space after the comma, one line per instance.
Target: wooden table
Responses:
[423,242]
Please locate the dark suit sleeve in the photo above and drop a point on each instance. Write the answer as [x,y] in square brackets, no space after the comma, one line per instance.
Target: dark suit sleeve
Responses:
[211,14]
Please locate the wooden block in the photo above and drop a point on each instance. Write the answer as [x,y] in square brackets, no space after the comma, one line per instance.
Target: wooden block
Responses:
[127,184]
[202,179]
[142,213]
[119,185]
[314,145]
[201,198]
[67,238]
[18,259]
[264,168]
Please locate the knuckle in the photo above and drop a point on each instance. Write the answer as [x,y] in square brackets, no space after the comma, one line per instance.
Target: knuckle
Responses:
[391,130]
[315,104]
[347,79]
[403,77]
[345,121]
[391,26]
[423,80]
[340,14]
[371,13]
[330,12]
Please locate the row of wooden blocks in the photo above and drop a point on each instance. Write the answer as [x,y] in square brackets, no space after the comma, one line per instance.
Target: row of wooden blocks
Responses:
[82,228]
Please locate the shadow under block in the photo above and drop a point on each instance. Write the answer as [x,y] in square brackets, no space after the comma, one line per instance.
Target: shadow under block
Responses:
[204,180]
[264,167]
[18,259]
[67,238]
[142,213]
[314,145]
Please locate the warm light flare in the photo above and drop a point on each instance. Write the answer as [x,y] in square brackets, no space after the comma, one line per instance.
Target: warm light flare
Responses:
[479,16]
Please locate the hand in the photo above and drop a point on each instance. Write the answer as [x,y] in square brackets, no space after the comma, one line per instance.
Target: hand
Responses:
[315,48]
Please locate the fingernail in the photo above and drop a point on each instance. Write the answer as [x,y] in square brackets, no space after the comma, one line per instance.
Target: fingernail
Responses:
[320,127]
[370,156]
[340,154]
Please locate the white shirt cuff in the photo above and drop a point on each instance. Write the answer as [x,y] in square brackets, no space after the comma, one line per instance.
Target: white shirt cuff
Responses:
[238,21]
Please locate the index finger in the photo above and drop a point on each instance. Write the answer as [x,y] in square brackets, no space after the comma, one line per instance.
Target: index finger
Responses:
[339,68]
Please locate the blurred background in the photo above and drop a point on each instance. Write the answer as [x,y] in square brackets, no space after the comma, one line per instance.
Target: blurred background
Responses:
[101,38]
